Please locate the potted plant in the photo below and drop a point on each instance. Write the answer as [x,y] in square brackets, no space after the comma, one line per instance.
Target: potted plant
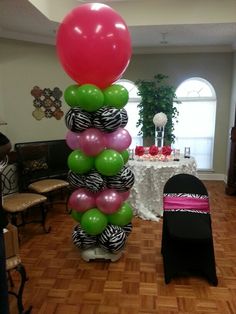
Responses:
[157,96]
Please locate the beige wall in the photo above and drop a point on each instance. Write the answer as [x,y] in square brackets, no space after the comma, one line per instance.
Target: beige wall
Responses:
[24,65]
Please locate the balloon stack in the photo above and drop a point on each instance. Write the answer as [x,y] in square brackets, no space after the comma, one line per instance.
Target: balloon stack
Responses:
[94,48]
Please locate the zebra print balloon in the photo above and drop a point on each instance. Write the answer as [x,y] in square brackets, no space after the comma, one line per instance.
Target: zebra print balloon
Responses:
[78,120]
[127,177]
[76,180]
[112,239]
[123,181]
[124,117]
[127,228]
[94,182]
[107,119]
[82,240]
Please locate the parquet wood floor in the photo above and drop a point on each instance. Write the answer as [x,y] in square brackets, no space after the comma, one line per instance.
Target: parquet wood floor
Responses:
[60,282]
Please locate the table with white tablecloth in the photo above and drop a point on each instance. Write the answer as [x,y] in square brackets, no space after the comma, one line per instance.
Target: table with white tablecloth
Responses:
[150,177]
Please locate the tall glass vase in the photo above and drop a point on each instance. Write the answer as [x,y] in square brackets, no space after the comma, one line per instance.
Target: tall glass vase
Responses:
[159,136]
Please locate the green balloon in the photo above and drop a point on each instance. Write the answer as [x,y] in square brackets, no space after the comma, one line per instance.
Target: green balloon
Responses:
[90,97]
[116,96]
[79,162]
[76,215]
[71,95]
[93,221]
[109,162]
[125,155]
[121,217]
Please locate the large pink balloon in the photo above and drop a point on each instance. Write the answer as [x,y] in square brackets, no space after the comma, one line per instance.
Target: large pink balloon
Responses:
[72,139]
[81,200]
[92,142]
[118,140]
[109,201]
[94,45]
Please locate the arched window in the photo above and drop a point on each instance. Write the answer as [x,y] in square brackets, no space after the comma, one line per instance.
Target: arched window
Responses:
[133,112]
[195,127]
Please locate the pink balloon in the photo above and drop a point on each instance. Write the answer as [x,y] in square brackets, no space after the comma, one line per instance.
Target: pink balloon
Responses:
[118,140]
[81,200]
[125,195]
[94,45]
[72,139]
[92,142]
[109,201]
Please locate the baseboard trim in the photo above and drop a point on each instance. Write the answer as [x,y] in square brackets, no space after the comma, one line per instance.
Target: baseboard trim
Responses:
[212,176]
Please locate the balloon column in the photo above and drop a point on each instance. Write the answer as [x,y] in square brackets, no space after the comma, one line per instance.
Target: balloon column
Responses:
[94,48]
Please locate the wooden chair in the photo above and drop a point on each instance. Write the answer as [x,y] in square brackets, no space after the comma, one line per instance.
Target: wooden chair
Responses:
[42,167]
[18,205]
[14,264]
[187,241]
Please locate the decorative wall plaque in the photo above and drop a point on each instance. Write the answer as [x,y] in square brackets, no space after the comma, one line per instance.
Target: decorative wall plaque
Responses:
[47,103]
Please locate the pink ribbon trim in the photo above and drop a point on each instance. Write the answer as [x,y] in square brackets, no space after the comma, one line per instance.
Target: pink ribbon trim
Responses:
[173,202]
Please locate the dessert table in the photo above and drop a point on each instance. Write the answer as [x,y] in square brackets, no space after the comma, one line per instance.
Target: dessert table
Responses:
[150,177]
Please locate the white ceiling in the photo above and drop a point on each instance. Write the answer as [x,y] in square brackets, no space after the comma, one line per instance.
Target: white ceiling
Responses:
[21,20]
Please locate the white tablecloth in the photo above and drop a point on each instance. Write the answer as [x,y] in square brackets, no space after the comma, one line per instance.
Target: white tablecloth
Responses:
[150,177]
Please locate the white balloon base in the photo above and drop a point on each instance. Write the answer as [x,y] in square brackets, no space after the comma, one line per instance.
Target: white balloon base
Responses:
[98,253]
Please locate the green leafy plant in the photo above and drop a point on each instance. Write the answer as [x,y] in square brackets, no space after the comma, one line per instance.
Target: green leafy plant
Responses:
[157,96]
